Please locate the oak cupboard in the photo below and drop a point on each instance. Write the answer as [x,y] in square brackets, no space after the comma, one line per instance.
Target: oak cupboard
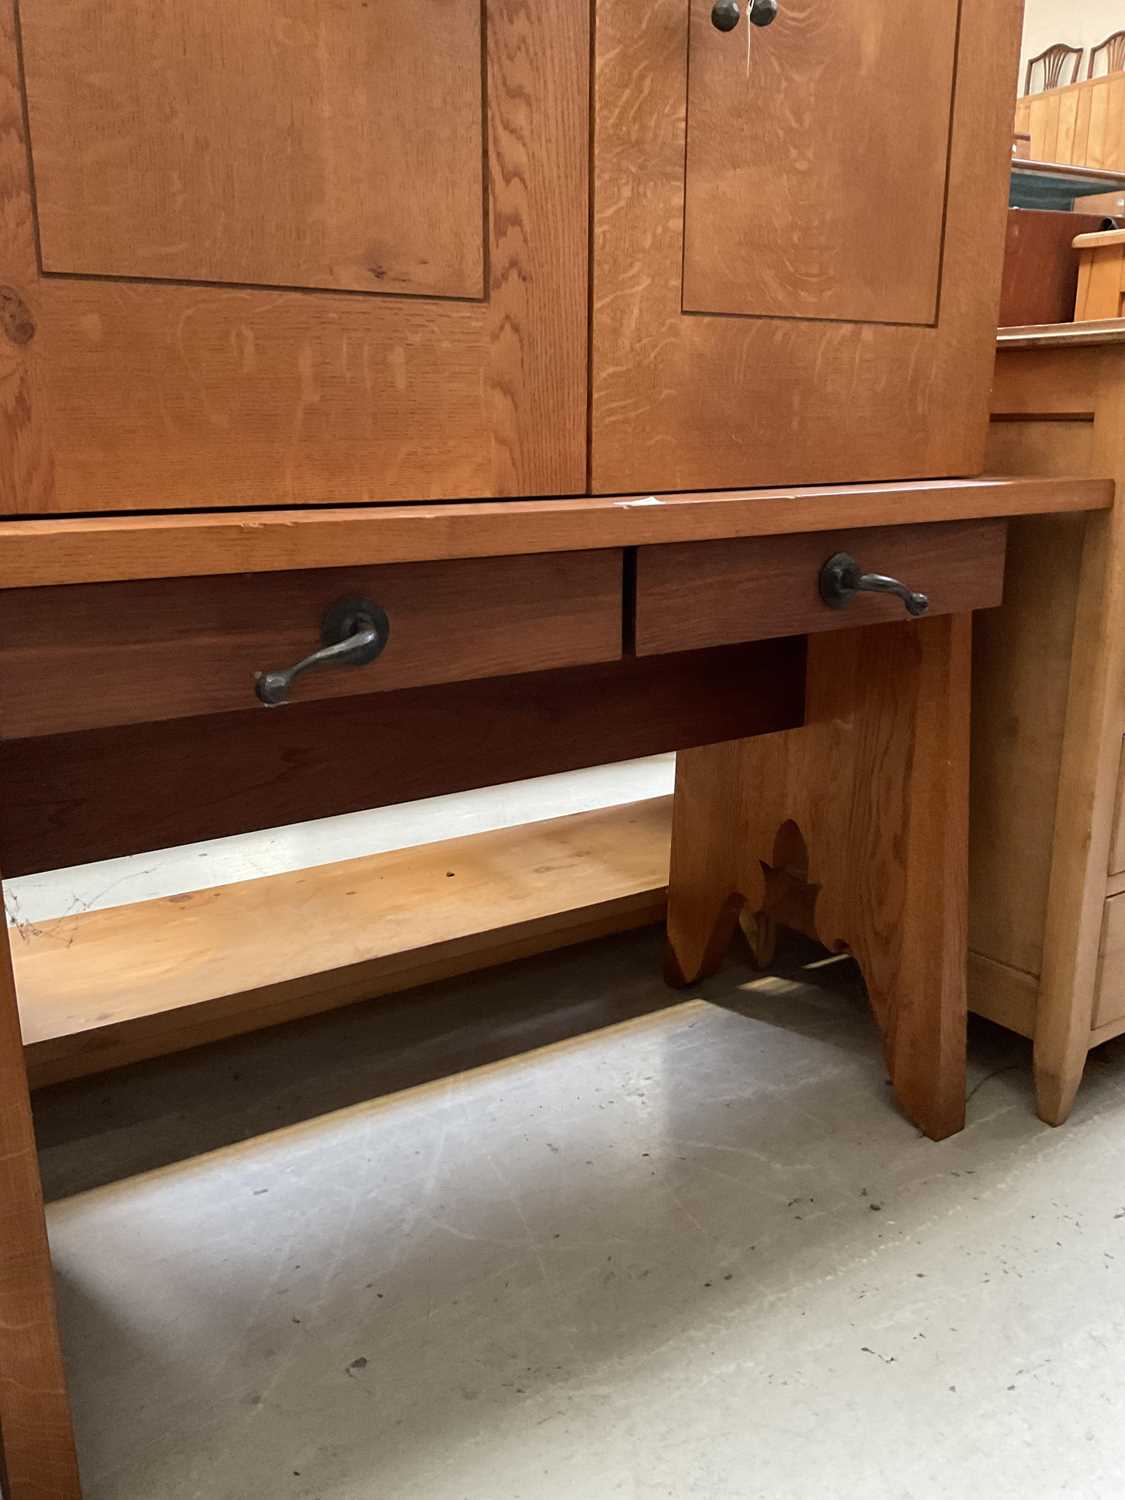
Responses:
[305,253]
[291,252]
[561,282]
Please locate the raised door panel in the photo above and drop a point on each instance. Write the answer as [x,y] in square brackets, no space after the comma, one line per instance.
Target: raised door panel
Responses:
[291,251]
[798,240]
[291,144]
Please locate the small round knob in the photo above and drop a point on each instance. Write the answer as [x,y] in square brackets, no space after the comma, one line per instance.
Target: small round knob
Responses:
[763,12]
[725,15]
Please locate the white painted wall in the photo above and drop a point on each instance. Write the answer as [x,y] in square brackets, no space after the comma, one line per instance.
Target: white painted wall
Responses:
[1079,23]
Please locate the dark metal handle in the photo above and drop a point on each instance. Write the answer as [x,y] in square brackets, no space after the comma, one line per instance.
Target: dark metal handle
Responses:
[354,632]
[726,14]
[841,579]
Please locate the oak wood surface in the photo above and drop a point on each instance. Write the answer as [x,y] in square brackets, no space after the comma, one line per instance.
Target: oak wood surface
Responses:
[785,213]
[1040,733]
[713,593]
[127,394]
[99,549]
[1021,678]
[1117,848]
[103,792]
[1109,1003]
[37,1457]
[1101,276]
[853,828]
[682,400]
[99,989]
[1007,996]
[128,653]
[304,133]
[1082,124]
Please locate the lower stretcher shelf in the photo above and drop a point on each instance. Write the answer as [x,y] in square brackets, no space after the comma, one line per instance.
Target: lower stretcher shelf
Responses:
[105,988]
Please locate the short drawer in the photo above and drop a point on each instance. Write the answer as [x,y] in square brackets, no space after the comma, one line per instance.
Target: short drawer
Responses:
[86,656]
[714,593]
[1109,1001]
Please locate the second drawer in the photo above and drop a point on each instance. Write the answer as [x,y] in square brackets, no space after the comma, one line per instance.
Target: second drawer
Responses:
[90,655]
[714,593]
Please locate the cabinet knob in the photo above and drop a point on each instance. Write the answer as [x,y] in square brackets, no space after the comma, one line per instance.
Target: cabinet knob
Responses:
[726,14]
[841,579]
[354,632]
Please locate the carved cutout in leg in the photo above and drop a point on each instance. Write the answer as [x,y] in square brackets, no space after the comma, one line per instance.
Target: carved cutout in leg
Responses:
[876,787]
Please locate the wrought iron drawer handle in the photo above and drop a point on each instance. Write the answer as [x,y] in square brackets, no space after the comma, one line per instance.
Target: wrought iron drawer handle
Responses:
[726,14]
[841,579]
[354,632]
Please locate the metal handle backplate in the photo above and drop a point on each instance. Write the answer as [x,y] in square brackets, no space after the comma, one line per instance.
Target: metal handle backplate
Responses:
[354,632]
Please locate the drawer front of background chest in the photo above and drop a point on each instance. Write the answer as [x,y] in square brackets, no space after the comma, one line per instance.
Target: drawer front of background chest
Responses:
[91,655]
[697,594]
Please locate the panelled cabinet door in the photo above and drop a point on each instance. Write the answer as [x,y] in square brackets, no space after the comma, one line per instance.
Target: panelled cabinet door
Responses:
[271,251]
[798,240]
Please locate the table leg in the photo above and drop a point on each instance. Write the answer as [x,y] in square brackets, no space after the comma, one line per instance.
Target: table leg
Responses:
[37,1457]
[854,830]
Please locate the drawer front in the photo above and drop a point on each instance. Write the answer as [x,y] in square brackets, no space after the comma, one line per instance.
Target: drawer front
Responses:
[714,593]
[87,656]
[1109,1002]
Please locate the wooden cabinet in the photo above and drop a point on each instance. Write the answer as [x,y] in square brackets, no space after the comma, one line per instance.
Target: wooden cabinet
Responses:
[797,240]
[1047,910]
[291,251]
[297,252]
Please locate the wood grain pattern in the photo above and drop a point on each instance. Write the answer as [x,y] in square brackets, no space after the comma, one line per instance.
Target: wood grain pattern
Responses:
[215,107]
[686,401]
[1021,676]
[1096,138]
[785,214]
[37,1457]
[149,395]
[863,814]
[1101,276]
[75,797]
[999,993]
[129,653]
[103,549]
[99,989]
[714,593]
[1059,722]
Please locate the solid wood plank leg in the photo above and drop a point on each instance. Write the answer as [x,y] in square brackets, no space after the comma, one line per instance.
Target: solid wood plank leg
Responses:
[854,830]
[37,1457]
[1083,827]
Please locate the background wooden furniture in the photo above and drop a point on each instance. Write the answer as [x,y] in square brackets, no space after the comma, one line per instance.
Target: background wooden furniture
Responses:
[1082,123]
[1111,52]
[1052,63]
[1101,275]
[1040,265]
[1048,719]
